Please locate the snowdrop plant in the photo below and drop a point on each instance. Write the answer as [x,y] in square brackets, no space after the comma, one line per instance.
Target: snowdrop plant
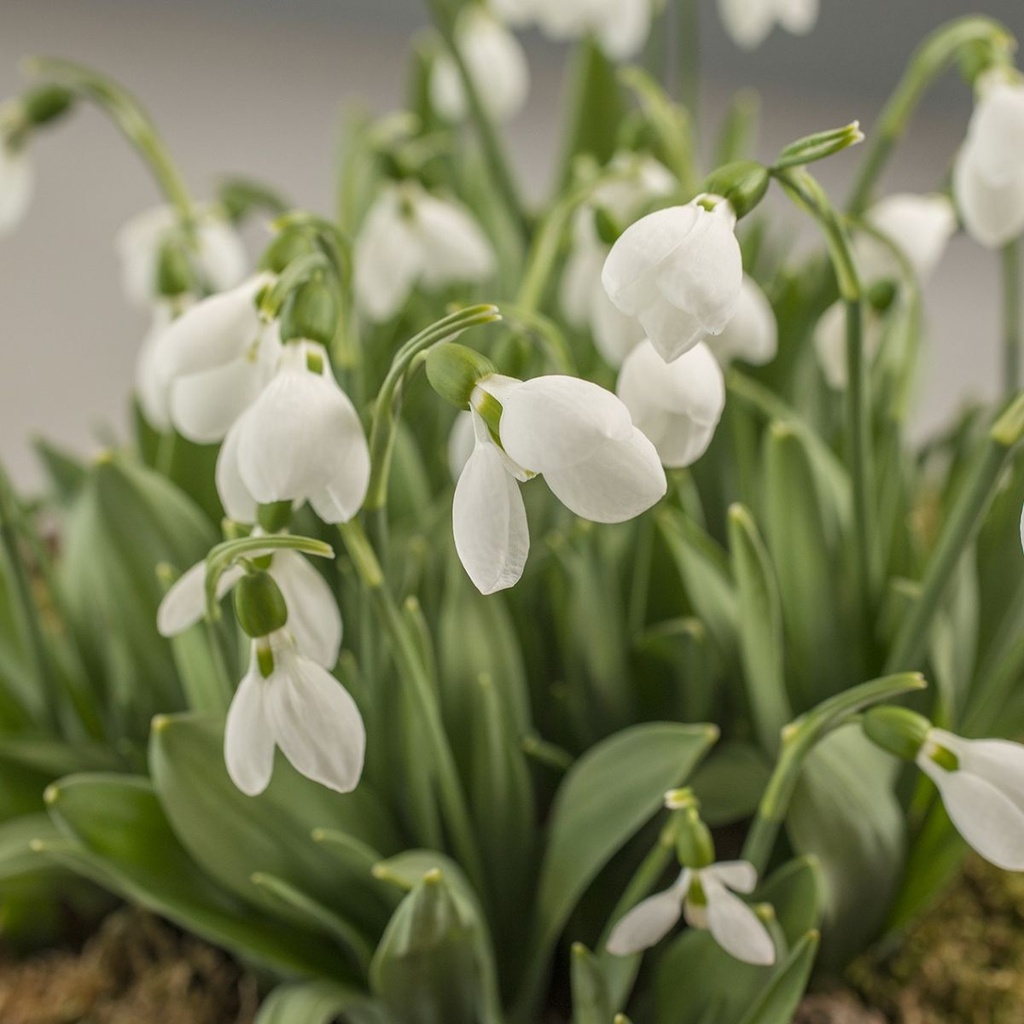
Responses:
[745,589]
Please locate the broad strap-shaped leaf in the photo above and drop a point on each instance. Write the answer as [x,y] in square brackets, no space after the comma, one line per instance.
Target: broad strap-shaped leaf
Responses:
[797,893]
[779,1000]
[317,1002]
[590,1001]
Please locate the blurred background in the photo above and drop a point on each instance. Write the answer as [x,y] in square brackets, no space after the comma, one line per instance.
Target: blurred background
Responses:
[261,87]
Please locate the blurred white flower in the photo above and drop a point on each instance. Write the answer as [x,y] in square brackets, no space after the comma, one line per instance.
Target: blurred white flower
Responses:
[16,185]
[287,700]
[919,226]
[704,897]
[412,238]
[220,255]
[830,342]
[637,181]
[988,176]
[574,433]
[752,334]
[982,785]
[679,273]
[300,440]
[749,22]
[496,63]
[678,404]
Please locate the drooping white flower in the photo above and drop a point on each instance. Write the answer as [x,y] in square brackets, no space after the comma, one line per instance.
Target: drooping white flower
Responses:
[206,367]
[988,176]
[287,700]
[704,897]
[637,180]
[220,255]
[621,27]
[150,388]
[16,185]
[313,616]
[300,440]
[496,63]
[830,342]
[752,334]
[679,272]
[678,404]
[574,433]
[412,238]
[919,226]
[982,785]
[749,22]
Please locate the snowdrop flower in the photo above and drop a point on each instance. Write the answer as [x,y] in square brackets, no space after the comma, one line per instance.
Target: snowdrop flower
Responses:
[496,63]
[313,616]
[620,27]
[919,226]
[749,22]
[220,256]
[16,184]
[830,342]
[206,367]
[637,180]
[679,273]
[752,334]
[287,700]
[411,237]
[574,433]
[982,785]
[678,404]
[704,897]
[988,176]
[300,440]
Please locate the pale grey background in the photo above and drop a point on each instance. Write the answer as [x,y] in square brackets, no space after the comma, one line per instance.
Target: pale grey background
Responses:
[259,86]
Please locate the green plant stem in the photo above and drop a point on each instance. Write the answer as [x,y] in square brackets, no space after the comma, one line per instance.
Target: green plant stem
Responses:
[938,51]
[688,14]
[416,675]
[1012,313]
[959,530]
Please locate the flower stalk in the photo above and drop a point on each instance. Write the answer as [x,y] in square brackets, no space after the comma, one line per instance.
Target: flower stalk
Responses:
[1013,311]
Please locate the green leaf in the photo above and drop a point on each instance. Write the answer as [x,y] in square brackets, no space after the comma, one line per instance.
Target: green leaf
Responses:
[796,891]
[778,1002]
[66,472]
[17,855]
[590,1002]
[316,1002]
[730,782]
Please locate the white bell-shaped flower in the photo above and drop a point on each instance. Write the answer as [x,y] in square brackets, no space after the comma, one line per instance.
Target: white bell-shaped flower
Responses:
[750,22]
[287,700]
[982,785]
[621,27]
[496,63]
[300,440]
[313,616]
[220,255]
[919,226]
[412,238]
[830,342]
[150,387]
[16,185]
[988,176]
[752,335]
[679,273]
[637,181]
[678,404]
[207,366]
[704,897]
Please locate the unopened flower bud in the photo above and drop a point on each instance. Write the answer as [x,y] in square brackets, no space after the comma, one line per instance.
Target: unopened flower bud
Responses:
[288,246]
[898,730]
[694,845]
[820,145]
[259,605]
[455,370]
[46,103]
[311,312]
[743,183]
[174,274]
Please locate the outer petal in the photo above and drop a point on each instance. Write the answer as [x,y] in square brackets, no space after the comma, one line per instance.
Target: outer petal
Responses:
[248,737]
[205,405]
[17,183]
[830,345]
[316,722]
[747,21]
[993,213]
[150,387]
[138,247]
[798,16]
[672,331]
[615,334]
[387,258]
[752,334]
[492,537]
[235,496]
[738,875]
[619,481]
[921,226]
[313,616]
[184,604]
[624,27]
[647,923]
[580,280]
[996,131]
[453,245]
[735,926]
[222,254]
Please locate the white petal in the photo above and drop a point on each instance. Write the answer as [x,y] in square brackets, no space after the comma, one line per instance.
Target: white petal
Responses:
[738,875]
[798,16]
[735,926]
[624,28]
[387,258]
[993,212]
[461,442]
[316,722]
[454,247]
[672,331]
[150,387]
[748,22]
[996,131]
[17,183]
[447,95]
[580,280]
[496,62]
[615,333]
[646,924]
[138,248]
[235,496]
[492,537]
[248,737]
[313,616]
[920,226]
[222,255]
[205,405]
[185,603]
[752,333]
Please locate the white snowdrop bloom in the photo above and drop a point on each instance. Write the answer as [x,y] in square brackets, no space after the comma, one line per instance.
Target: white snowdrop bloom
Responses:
[207,366]
[752,334]
[749,22]
[220,255]
[287,700]
[678,404]
[704,897]
[919,226]
[988,176]
[621,27]
[412,238]
[638,180]
[517,13]
[982,785]
[830,342]
[496,63]
[461,442]
[300,440]
[679,273]
[17,181]
[150,389]
[313,616]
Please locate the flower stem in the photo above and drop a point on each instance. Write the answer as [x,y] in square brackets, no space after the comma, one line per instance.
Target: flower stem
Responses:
[1012,315]
[688,14]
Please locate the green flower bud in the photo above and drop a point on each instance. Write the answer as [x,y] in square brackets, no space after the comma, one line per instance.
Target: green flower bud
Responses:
[289,245]
[898,730]
[694,845]
[310,312]
[743,183]
[259,605]
[820,145]
[454,371]
[46,103]
[174,275]
[882,295]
